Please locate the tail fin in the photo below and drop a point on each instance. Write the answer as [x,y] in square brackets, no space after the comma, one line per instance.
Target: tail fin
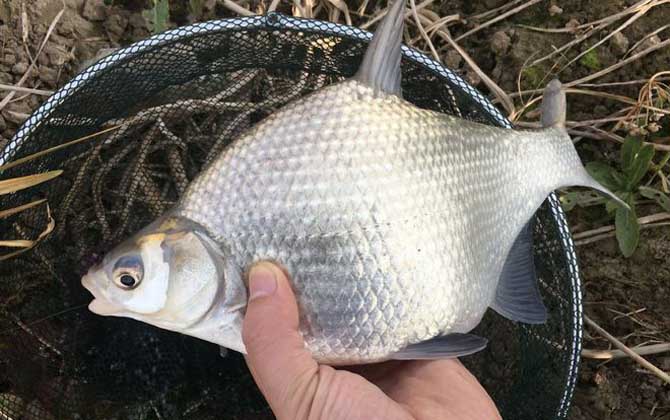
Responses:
[380,68]
[585,180]
[554,107]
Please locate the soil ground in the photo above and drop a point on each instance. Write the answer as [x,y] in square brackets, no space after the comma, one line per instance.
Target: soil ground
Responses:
[618,389]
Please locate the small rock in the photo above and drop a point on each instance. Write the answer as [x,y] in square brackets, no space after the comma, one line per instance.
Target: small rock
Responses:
[9,59]
[555,10]
[664,363]
[648,43]
[136,20]
[20,69]
[6,78]
[48,75]
[453,59]
[600,377]
[619,43]
[139,28]
[55,55]
[473,78]
[43,59]
[16,112]
[34,101]
[94,10]
[572,25]
[116,25]
[500,43]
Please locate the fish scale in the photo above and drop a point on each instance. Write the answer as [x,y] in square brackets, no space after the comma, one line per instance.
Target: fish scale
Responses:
[397,219]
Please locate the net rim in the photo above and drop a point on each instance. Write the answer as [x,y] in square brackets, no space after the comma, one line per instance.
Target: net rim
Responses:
[280,21]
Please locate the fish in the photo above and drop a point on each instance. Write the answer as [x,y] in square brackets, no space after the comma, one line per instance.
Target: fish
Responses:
[399,226]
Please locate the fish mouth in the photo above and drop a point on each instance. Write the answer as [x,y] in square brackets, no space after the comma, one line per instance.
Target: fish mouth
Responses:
[103,307]
[99,305]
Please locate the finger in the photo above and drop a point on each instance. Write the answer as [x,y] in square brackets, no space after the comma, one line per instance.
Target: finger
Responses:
[281,365]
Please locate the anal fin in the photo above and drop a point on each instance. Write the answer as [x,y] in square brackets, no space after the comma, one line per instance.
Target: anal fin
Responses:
[517,296]
[444,347]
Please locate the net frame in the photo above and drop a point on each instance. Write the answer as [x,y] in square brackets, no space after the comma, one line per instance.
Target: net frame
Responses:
[282,22]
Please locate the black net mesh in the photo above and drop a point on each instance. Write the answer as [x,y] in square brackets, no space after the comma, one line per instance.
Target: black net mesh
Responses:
[172,103]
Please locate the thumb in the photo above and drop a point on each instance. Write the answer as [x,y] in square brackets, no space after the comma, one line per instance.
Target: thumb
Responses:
[281,365]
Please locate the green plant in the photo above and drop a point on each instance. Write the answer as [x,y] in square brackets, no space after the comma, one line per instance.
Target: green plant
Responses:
[626,182]
[591,61]
[158,16]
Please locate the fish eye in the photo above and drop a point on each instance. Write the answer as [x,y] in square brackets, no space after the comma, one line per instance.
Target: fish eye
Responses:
[128,272]
[127,280]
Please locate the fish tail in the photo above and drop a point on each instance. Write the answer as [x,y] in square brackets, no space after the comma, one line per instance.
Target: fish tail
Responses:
[581,178]
[553,118]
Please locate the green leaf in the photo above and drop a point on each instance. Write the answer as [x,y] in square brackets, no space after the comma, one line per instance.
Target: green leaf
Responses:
[656,195]
[158,15]
[604,174]
[611,206]
[640,166]
[581,198]
[631,146]
[627,230]
[568,201]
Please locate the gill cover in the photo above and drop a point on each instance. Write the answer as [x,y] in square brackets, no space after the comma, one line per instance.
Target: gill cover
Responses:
[151,294]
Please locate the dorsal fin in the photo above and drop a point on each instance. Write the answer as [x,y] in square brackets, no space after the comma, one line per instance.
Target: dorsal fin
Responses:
[380,68]
[553,105]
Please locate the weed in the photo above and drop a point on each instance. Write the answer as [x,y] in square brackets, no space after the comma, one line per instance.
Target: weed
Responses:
[158,16]
[591,61]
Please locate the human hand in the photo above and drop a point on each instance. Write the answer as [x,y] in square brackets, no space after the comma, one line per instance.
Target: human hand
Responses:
[298,388]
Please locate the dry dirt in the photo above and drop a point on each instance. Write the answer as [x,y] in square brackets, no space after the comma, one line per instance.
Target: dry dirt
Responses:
[615,390]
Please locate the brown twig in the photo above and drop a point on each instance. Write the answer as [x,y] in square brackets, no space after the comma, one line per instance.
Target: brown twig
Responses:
[619,64]
[604,232]
[234,7]
[617,354]
[625,349]
[383,13]
[498,19]
[13,88]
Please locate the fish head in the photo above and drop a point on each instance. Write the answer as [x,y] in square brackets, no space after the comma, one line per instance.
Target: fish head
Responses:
[167,275]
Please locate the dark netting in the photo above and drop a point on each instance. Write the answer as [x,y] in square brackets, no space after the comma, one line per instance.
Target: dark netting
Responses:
[173,103]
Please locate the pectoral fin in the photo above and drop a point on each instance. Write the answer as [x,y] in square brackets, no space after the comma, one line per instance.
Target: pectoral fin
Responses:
[444,347]
[517,296]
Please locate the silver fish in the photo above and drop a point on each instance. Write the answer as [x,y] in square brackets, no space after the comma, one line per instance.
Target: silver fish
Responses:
[399,226]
